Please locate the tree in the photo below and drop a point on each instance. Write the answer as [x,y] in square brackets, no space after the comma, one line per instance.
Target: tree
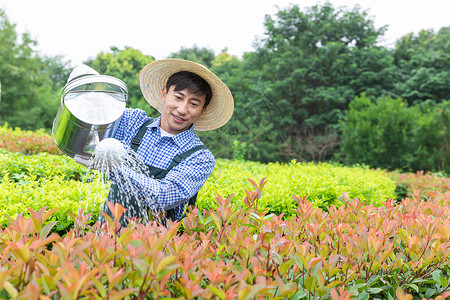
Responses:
[306,69]
[220,141]
[423,61]
[57,70]
[125,65]
[28,100]
[202,56]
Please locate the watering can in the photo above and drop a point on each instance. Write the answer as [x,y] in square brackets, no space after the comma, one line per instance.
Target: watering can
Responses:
[90,109]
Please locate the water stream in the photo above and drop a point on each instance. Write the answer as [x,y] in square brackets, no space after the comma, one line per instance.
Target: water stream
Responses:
[111,157]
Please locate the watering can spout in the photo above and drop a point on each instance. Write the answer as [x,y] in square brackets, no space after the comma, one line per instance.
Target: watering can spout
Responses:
[92,141]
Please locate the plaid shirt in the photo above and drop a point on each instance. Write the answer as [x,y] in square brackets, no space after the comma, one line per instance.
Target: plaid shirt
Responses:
[180,183]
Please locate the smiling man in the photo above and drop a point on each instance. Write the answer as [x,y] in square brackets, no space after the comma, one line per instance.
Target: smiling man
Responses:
[186,96]
[176,163]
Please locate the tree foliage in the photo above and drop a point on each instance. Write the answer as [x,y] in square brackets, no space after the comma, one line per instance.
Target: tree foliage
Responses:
[423,62]
[290,93]
[27,99]
[57,70]
[294,88]
[199,55]
[389,134]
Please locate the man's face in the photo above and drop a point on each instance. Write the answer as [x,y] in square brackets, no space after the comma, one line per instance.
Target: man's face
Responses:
[181,109]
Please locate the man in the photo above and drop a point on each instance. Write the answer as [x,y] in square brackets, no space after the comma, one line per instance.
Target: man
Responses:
[189,97]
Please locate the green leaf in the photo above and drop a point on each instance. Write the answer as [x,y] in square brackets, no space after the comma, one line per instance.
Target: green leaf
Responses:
[310,283]
[374,290]
[430,293]
[363,296]
[286,266]
[443,281]
[99,285]
[216,221]
[217,291]
[436,275]
[10,289]
[391,294]
[165,262]
[244,293]
[413,287]
[46,229]
[373,279]
[333,284]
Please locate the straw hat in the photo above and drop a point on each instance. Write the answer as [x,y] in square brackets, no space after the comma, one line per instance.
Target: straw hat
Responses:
[155,75]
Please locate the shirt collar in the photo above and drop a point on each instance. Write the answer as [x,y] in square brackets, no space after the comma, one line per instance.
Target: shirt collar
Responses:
[180,139]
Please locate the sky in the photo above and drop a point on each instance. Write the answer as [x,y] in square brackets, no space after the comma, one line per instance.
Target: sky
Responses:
[81,29]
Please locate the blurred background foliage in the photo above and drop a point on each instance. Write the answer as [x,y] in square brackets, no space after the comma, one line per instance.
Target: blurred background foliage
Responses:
[317,87]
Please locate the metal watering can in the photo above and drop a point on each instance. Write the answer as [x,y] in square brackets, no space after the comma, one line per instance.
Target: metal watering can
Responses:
[91,106]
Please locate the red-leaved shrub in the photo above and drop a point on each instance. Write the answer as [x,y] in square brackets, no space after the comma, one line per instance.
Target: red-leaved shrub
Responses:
[394,251]
[27,142]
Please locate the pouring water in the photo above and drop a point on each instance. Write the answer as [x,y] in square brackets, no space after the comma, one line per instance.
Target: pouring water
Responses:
[111,157]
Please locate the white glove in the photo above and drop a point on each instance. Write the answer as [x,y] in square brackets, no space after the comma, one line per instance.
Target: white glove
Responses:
[92,163]
[109,154]
[87,162]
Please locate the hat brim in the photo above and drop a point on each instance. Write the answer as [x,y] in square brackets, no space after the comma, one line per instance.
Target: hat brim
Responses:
[153,79]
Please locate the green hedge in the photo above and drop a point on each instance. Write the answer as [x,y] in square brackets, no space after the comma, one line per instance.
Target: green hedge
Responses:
[58,182]
[323,183]
[51,192]
[42,164]
[54,181]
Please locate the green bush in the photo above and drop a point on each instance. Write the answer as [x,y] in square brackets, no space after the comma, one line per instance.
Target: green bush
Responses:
[432,138]
[18,165]
[389,134]
[58,182]
[54,181]
[28,175]
[323,183]
[67,196]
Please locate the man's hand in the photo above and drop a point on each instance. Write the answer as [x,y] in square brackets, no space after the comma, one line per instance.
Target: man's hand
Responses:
[109,154]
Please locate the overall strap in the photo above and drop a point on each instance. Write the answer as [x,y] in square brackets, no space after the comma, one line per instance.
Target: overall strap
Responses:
[136,141]
[180,157]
